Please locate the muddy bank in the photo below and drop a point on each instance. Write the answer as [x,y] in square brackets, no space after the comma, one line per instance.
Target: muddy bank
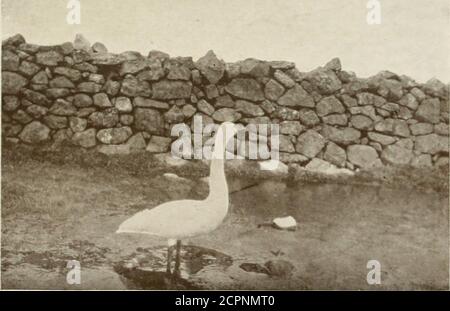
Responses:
[53,212]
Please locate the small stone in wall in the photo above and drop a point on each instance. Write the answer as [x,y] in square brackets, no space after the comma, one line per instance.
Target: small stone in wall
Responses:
[149,120]
[150,103]
[248,108]
[224,101]
[291,128]
[111,87]
[211,67]
[226,114]
[62,107]
[166,89]
[335,119]
[10,61]
[22,117]
[82,100]
[308,117]
[284,79]
[324,80]
[188,111]
[429,111]
[40,78]
[273,90]
[72,74]
[49,58]
[363,156]
[344,136]
[254,67]
[133,87]
[85,139]
[89,87]
[158,144]
[77,124]
[285,223]
[10,103]
[329,105]
[211,91]
[335,154]
[126,119]
[296,97]
[106,118]
[205,107]
[310,143]
[28,69]
[55,122]
[396,155]
[114,136]
[81,43]
[245,88]
[34,97]
[99,47]
[174,115]
[381,138]
[123,104]
[37,111]
[12,83]
[34,133]
[431,144]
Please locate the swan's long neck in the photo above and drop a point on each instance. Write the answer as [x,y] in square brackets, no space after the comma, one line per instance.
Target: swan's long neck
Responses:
[218,188]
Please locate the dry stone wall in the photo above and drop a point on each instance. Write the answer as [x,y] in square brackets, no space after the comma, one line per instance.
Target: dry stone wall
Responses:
[122,103]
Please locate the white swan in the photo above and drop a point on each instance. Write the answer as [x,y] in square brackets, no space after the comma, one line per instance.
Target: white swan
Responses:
[176,220]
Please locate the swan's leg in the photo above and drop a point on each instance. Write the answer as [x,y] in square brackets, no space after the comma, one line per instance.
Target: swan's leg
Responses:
[171,243]
[177,259]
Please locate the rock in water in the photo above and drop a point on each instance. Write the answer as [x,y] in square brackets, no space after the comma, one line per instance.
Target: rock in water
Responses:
[285,223]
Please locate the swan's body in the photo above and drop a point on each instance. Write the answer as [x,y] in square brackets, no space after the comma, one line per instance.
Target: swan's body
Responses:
[176,220]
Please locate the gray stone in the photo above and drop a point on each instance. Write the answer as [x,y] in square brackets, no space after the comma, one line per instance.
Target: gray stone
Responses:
[429,111]
[171,89]
[106,118]
[226,114]
[10,103]
[37,111]
[55,122]
[334,64]
[410,101]
[111,87]
[285,144]
[85,139]
[61,82]
[49,58]
[349,101]
[28,69]
[436,88]
[158,144]
[126,119]
[329,105]
[308,117]
[40,78]
[363,156]
[150,103]
[401,128]
[62,107]
[123,104]
[341,136]
[224,101]
[291,128]
[34,133]
[273,90]
[254,68]
[89,87]
[188,111]
[421,128]
[114,136]
[81,43]
[72,74]
[99,47]
[335,155]
[149,120]
[324,80]
[365,99]
[22,117]
[35,97]
[335,119]
[10,61]
[284,79]
[82,100]
[136,142]
[422,160]
[57,92]
[77,124]
[441,129]
[361,122]
[97,78]
[418,94]
[380,138]
[296,97]
[365,110]
[101,100]
[205,107]
[179,73]
[396,155]
[211,67]
[246,89]
[285,113]
[431,144]
[134,87]
[12,82]
[248,108]
[310,143]
[174,115]
[211,91]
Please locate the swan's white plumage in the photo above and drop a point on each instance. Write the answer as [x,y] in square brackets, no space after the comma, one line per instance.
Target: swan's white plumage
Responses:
[188,218]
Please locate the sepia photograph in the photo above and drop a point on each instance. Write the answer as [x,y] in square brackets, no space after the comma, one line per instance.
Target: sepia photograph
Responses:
[203,145]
